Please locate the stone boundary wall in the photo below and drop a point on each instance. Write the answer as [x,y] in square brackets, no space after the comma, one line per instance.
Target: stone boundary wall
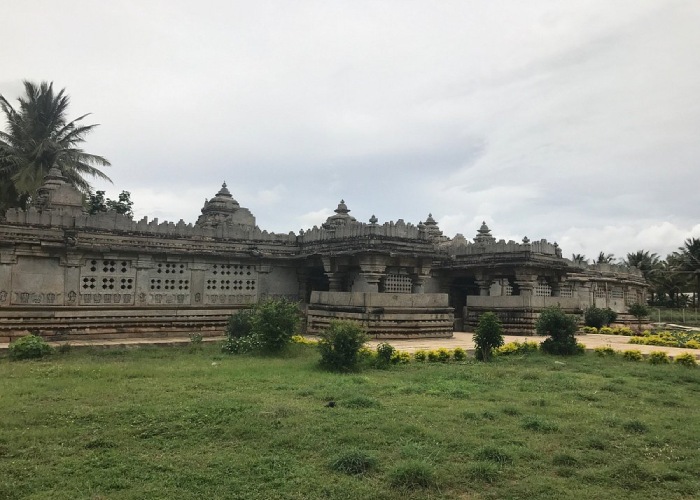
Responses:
[72,323]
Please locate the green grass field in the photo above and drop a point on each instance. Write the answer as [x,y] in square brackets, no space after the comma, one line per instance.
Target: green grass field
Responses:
[174,423]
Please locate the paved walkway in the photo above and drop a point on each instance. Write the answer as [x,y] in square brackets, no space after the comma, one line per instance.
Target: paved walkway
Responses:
[459,339]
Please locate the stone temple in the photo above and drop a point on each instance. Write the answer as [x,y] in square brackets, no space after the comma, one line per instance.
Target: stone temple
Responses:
[72,276]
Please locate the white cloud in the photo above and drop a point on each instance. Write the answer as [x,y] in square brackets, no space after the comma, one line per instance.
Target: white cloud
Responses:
[578,122]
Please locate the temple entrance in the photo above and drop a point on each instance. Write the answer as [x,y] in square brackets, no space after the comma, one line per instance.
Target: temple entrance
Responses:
[460,288]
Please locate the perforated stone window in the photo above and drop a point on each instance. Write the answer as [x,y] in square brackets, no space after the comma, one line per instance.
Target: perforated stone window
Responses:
[617,294]
[171,268]
[238,279]
[397,283]
[542,289]
[170,284]
[566,291]
[600,293]
[107,281]
[508,290]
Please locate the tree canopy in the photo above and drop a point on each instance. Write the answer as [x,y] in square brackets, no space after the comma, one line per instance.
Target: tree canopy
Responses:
[40,136]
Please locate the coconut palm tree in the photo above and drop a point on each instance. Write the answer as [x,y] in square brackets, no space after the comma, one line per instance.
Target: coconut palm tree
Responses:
[39,137]
[690,263]
[578,258]
[604,258]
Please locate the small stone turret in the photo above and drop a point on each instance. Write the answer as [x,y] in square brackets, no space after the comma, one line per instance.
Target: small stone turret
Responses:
[224,209]
[341,217]
[57,196]
[431,227]
[483,235]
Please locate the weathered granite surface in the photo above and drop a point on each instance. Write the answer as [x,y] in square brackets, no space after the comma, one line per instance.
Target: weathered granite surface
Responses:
[66,273]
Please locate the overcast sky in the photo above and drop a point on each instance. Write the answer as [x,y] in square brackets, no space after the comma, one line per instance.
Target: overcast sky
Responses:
[575,121]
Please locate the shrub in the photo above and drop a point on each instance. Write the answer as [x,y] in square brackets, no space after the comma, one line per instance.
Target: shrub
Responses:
[488,336]
[29,347]
[443,355]
[274,322]
[622,330]
[459,354]
[604,351]
[517,348]
[267,327]
[686,359]
[412,474]
[632,355]
[433,356]
[400,357]
[299,339]
[658,358]
[692,344]
[589,329]
[353,461]
[420,355]
[598,318]
[560,329]
[384,353]
[340,345]
[639,311]
[239,324]
[606,330]
[242,345]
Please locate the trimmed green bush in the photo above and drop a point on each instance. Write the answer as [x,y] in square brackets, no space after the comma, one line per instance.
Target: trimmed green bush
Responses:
[686,359]
[443,355]
[340,346]
[560,328]
[420,355]
[604,351]
[632,355]
[488,336]
[29,347]
[459,354]
[659,358]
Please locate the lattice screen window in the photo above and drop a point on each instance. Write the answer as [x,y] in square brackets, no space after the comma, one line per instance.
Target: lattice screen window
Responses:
[617,294]
[542,289]
[236,278]
[600,293]
[397,283]
[508,289]
[99,275]
[630,298]
[177,277]
[566,291]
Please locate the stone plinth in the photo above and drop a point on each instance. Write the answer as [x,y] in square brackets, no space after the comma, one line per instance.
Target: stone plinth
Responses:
[384,315]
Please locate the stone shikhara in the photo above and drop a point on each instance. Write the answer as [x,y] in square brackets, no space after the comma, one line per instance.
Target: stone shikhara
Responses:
[71,275]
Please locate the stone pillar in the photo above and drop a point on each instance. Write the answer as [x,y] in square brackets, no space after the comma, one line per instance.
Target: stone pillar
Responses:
[71,279]
[484,287]
[335,282]
[367,282]
[526,284]
[143,265]
[7,260]
[301,281]
[418,280]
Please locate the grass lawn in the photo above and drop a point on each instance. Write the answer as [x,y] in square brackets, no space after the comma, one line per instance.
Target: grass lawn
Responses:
[177,424]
